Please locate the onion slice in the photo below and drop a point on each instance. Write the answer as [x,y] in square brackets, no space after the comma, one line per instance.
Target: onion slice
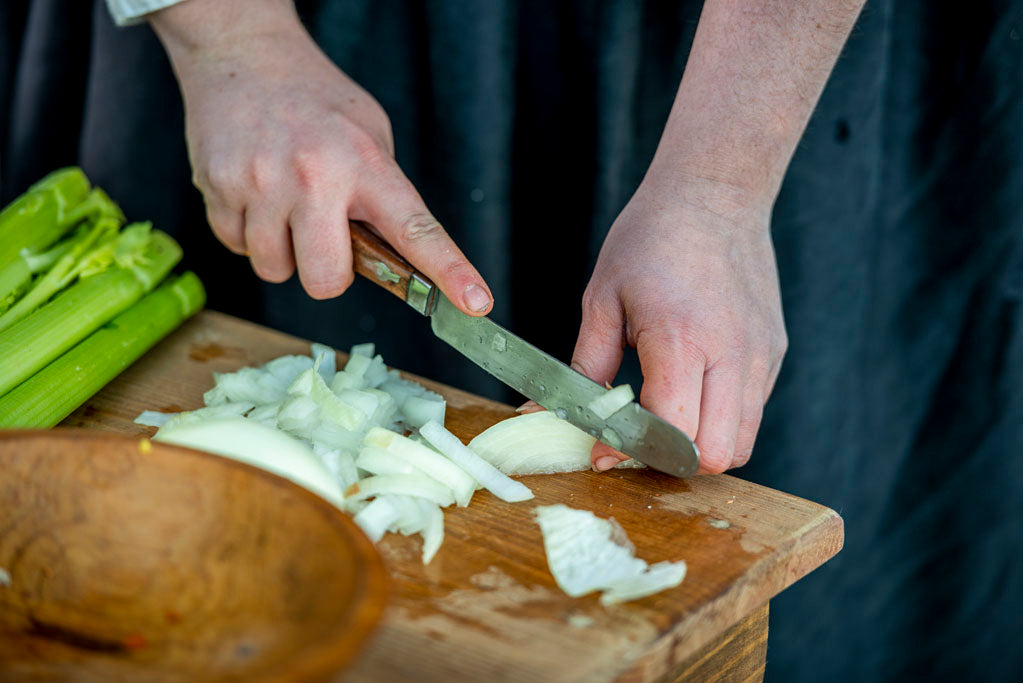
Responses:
[587,553]
[405,484]
[256,444]
[426,459]
[493,480]
[535,443]
[611,401]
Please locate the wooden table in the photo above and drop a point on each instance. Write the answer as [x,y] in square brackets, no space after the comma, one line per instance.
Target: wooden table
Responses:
[486,608]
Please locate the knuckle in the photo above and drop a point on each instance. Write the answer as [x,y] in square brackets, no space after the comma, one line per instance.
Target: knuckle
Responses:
[262,174]
[221,177]
[418,228]
[308,167]
[367,148]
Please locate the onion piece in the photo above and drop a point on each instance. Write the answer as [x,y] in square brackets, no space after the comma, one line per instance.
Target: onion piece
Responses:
[326,360]
[256,444]
[537,443]
[202,414]
[440,468]
[405,484]
[493,480]
[587,553]
[153,418]
[418,410]
[378,461]
[377,517]
[368,350]
[332,408]
[658,577]
[433,529]
[610,402]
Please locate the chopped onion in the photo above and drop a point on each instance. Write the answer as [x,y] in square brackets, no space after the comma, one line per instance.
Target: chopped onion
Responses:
[586,553]
[202,414]
[368,350]
[378,461]
[405,484]
[377,517]
[418,410]
[426,459]
[152,418]
[610,402]
[493,480]
[256,444]
[326,360]
[433,528]
[658,577]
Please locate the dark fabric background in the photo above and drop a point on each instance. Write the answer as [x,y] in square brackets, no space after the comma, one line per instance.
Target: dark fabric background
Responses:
[527,125]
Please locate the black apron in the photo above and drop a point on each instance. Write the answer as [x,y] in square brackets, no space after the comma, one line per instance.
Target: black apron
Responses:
[527,126]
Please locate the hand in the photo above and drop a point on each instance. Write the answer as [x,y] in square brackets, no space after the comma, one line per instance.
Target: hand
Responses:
[687,276]
[286,149]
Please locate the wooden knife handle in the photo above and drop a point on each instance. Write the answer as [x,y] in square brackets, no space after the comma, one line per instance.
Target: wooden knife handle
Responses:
[378,262]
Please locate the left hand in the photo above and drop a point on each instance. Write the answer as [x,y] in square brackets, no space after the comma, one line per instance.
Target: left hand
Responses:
[687,275]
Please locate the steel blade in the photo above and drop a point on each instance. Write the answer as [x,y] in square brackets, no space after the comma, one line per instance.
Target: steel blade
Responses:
[557,387]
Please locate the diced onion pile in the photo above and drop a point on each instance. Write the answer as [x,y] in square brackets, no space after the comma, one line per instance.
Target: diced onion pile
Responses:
[341,434]
[373,444]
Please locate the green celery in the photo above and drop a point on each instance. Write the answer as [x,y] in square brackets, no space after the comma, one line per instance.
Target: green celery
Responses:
[57,390]
[38,218]
[85,248]
[33,342]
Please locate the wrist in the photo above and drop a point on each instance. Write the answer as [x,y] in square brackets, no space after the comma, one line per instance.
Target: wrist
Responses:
[195,29]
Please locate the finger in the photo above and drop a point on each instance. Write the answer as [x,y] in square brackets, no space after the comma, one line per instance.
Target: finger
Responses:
[673,374]
[228,226]
[749,423]
[720,412]
[392,204]
[529,407]
[323,248]
[268,242]
[601,341]
[598,355]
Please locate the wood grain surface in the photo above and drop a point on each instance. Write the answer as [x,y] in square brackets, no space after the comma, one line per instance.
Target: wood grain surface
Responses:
[487,608]
[130,560]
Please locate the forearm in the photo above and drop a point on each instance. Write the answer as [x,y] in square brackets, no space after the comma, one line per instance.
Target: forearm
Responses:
[755,72]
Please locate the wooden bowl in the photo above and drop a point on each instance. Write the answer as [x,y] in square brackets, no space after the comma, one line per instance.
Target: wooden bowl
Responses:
[131,560]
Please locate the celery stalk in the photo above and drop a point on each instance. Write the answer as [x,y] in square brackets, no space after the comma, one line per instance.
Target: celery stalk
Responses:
[30,344]
[57,390]
[84,247]
[38,218]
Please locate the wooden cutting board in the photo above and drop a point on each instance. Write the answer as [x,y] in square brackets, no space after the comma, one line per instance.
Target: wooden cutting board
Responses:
[487,608]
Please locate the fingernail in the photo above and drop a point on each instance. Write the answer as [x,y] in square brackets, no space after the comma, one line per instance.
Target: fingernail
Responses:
[476,298]
[529,407]
[605,462]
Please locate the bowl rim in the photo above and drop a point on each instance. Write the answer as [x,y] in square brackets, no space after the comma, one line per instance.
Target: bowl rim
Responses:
[330,658]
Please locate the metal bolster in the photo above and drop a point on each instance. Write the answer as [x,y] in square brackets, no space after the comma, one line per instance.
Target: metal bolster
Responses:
[422,294]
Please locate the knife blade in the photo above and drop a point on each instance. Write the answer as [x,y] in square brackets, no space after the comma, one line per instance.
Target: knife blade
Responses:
[557,387]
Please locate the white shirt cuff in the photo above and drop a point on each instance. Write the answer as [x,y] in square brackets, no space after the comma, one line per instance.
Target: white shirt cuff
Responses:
[127,12]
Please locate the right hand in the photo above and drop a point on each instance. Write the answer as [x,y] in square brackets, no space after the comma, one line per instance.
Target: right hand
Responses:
[286,149]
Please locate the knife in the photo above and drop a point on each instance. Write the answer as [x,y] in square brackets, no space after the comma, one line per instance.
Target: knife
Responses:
[633,429]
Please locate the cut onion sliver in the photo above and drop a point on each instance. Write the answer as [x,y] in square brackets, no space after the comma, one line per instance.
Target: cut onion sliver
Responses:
[656,578]
[378,461]
[326,361]
[377,517]
[256,444]
[610,402]
[433,529]
[404,484]
[586,553]
[152,418]
[493,480]
[425,458]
